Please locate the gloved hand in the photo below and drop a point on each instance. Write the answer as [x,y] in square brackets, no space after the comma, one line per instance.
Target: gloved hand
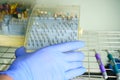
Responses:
[57,62]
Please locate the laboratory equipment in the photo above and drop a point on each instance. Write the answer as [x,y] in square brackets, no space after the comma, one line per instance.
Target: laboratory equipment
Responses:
[17,26]
[4,28]
[52,25]
[0,25]
[5,23]
[101,66]
[114,65]
[14,18]
[101,40]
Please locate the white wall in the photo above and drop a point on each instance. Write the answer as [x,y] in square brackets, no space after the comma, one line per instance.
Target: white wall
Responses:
[95,14]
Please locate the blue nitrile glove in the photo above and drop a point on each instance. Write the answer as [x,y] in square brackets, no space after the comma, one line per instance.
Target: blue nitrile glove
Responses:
[50,63]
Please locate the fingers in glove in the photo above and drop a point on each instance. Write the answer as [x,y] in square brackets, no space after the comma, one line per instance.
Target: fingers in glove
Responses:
[64,47]
[20,51]
[73,56]
[75,72]
[72,65]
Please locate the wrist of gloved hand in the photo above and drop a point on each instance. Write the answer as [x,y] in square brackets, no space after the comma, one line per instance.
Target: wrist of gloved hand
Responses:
[18,72]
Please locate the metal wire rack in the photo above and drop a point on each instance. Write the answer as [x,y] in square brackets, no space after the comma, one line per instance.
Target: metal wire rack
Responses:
[98,40]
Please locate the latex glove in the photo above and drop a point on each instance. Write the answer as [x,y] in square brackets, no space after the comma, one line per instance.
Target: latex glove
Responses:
[50,63]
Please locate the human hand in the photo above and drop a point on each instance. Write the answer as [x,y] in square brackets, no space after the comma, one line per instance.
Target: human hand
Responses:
[57,62]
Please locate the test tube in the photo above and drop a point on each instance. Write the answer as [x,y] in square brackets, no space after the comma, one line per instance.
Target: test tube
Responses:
[114,65]
[5,28]
[101,66]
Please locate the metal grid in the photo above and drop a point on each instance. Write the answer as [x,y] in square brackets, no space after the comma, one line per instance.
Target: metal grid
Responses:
[98,40]
[6,57]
